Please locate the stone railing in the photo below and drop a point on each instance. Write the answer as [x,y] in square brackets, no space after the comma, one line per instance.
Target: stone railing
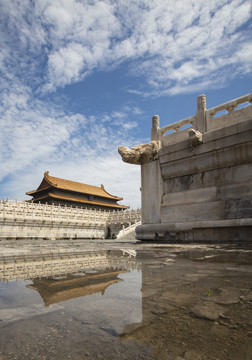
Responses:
[229,106]
[127,230]
[17,210]
[10,209]
[232,115]
[20,219]
[191,128]
[178,125]
[127,216]
[204,120]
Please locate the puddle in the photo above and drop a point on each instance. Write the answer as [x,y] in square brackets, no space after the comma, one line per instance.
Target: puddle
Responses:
[145,303]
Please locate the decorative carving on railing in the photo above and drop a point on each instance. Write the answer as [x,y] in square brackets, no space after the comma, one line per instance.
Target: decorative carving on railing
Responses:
[229,106]
[200,123]
[177,125]
[130,216]
[201,102]
[34,220]
[35,211]
[21,210]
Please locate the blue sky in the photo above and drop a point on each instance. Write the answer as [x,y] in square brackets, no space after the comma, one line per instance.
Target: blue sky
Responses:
[80,78]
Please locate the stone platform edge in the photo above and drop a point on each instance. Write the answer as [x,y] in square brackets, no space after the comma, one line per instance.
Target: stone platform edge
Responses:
[217,231]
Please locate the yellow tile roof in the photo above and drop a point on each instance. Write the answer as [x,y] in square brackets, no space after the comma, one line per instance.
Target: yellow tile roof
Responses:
[73,186]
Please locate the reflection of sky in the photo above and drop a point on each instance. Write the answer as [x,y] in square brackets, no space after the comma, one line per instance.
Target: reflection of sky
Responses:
[15,294]
[17,302]
[121,303]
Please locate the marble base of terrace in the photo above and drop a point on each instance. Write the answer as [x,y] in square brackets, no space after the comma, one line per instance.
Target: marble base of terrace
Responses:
[199,187]
[22,220]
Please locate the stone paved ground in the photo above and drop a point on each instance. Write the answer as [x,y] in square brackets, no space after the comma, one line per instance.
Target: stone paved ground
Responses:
[12,247]
[196,305]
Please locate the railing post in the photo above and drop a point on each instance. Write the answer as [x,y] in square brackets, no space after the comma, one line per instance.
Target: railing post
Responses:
[201,114]
[155,134]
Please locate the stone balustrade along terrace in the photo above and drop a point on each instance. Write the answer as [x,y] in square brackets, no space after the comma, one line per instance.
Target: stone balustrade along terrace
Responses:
[196,180]
[20,219]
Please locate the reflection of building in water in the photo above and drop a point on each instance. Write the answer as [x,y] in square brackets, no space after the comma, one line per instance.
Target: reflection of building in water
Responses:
[52,264]
[53,289]
[63,276]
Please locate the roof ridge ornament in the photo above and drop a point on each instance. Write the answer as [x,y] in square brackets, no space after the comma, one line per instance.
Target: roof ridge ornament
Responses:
[48,178]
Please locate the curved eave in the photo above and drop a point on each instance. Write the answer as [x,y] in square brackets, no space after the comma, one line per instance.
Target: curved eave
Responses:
[89,202]
[31,193]
[69,185]
[114,197]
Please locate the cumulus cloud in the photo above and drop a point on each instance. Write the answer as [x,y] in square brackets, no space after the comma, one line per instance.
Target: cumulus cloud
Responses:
[199,42]
[176,47]
[170,43]
[66,64]
[36,136]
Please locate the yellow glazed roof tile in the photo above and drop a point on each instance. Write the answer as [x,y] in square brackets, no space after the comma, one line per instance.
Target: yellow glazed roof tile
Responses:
[69,185]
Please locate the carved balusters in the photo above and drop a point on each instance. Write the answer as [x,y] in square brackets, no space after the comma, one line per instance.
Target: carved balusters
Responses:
[230,106]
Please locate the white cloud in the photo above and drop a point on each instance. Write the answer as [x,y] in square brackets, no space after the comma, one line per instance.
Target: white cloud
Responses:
[119,179]
[35,136]
[65,65]
[73,38]
[28,134]
[175,46]
[203,39]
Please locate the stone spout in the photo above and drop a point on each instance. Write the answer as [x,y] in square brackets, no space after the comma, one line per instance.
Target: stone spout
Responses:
[195,137]
[140,154]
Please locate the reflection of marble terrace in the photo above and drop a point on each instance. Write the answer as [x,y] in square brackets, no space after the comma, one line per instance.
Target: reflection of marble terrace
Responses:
[48,264]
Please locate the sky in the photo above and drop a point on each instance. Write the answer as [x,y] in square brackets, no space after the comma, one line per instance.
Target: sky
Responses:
[81,77]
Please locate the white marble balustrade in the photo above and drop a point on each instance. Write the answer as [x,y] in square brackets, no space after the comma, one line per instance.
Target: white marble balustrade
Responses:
[21,219]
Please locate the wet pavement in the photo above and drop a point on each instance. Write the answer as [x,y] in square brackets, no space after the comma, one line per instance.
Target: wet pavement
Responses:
[125,300]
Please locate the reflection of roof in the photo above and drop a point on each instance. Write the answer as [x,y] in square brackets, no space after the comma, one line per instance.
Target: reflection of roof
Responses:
[53,291]
[51,181]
